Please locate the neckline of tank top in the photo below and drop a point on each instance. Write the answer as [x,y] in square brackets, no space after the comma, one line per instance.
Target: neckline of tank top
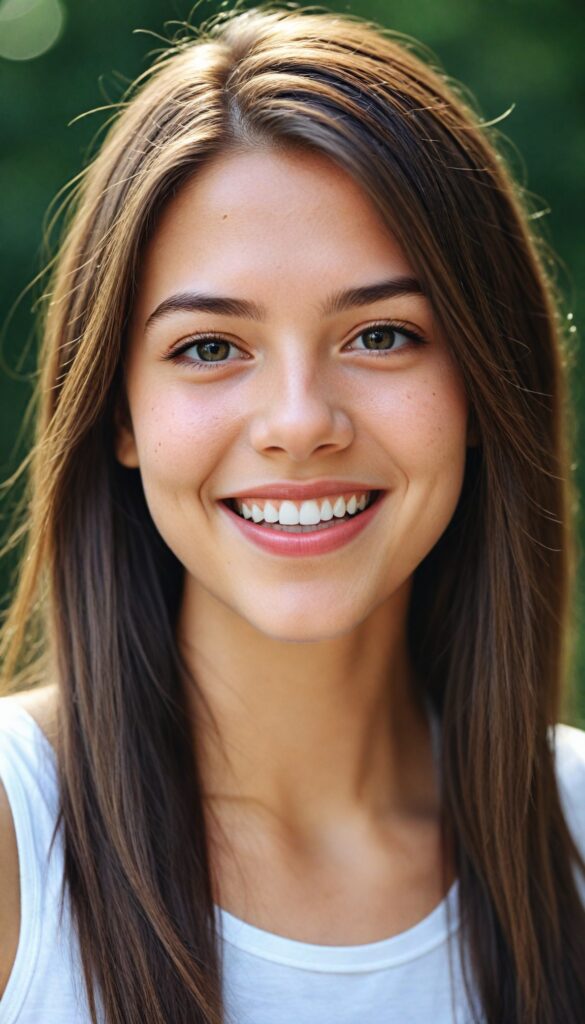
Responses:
[421,938]
[417,940]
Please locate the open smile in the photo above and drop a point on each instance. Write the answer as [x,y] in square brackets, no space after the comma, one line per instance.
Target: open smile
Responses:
[329,526]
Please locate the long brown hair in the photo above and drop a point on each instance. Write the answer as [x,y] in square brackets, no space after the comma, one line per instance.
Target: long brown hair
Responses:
[98,591]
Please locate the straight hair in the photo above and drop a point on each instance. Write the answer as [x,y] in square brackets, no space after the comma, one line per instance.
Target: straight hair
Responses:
[98,591]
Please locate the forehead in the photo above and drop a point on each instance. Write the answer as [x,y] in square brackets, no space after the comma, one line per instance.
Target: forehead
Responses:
[264,219]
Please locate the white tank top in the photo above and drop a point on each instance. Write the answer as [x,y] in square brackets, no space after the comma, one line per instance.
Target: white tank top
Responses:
[267,979]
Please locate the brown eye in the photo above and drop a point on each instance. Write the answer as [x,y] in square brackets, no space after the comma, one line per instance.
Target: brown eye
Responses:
[212,351]
[206,353]
[379,337]
[384,338]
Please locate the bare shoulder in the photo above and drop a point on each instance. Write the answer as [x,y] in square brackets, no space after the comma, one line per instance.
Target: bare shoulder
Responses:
[9,891]
[41,704]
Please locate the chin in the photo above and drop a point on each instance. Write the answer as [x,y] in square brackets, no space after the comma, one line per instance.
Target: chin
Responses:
[308,627]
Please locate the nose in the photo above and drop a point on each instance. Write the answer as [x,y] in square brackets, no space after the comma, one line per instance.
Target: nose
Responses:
[299,415]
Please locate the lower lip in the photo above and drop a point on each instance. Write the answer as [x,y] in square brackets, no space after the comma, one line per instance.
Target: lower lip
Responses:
[304,544]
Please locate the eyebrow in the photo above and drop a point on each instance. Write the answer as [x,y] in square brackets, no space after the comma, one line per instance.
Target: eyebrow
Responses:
[186,302]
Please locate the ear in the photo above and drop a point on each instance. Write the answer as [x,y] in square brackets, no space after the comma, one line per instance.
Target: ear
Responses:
[125,448]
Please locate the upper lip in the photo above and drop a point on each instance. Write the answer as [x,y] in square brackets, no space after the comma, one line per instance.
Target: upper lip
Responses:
[300,492]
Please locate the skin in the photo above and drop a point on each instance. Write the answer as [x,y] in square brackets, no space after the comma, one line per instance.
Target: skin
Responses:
[324,768]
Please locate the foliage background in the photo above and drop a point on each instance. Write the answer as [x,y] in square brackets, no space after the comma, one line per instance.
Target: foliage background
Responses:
[522,53]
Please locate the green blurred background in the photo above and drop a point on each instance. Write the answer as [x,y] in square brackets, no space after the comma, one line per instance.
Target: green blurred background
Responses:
[59,59]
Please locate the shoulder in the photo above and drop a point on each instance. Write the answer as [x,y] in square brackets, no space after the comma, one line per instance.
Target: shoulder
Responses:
[41,704]
[9,890]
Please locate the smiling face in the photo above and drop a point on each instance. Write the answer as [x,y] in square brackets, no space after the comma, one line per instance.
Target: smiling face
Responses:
[294,387]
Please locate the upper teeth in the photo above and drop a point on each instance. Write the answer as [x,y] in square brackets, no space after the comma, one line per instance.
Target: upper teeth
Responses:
[306,513]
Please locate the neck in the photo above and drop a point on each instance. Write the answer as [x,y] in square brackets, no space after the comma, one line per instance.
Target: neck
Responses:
[313,733]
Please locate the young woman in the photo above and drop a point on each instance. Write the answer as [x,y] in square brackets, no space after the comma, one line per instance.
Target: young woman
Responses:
[288,644]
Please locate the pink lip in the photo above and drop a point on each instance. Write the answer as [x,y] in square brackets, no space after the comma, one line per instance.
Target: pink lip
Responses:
[301,492]
[320,542]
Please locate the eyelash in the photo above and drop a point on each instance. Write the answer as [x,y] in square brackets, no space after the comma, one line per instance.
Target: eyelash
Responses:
[396,326]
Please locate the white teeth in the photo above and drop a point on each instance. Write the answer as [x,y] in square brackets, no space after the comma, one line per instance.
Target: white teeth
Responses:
[288,514]
[339,508]
[270,513]
[309,513]
[326,511]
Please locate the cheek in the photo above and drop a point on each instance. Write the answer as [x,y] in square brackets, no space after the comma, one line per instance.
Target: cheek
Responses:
[424,437]
[424,423]
[179,435]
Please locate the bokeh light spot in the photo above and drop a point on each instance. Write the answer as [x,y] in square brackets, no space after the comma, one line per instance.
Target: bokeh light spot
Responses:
[28,28]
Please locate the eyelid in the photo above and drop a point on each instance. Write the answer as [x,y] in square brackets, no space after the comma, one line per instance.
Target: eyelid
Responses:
[198,339]
[398,326]
[401,327]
